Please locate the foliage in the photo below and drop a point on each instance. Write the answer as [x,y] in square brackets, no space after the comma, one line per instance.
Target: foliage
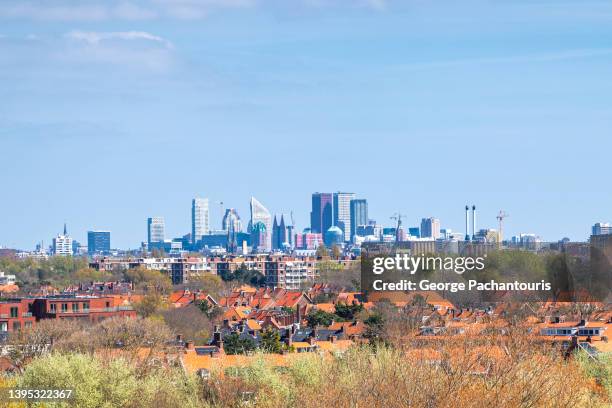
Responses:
[150,304]
[149,279]
[108,384]
[190,322]
[322,252]
[599,369]
[234,344]
[209,309]
[270,341]
[208,283]
[321,318]
[348,312]
[244,275]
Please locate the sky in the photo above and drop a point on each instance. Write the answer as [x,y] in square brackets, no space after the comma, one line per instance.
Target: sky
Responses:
[112,111]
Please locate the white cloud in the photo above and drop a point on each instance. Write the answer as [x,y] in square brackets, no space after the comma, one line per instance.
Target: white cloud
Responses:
[94,38]
[137,50]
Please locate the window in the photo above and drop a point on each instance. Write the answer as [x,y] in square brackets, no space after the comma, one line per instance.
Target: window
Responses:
[107,305]
[75,307]
[52,307]
[85,306]
[64,307]
[28,324]
[14,312]
[16,326]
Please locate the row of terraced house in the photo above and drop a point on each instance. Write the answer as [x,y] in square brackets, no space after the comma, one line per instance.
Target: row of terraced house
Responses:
[16,314]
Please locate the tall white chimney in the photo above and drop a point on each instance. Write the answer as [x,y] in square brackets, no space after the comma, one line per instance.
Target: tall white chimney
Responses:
[467,222]
[473,222]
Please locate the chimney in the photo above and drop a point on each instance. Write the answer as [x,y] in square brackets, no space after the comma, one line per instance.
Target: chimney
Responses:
[333,339]
[189,345]
[473,222]
[467,222]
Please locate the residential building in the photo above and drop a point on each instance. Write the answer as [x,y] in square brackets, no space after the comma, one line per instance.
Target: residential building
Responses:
[290,272]
[199,218]
[342,213]
[602,228]
[15,314]
[98,242]
[89,308]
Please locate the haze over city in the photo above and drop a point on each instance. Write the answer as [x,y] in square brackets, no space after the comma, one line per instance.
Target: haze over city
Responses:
[114,113]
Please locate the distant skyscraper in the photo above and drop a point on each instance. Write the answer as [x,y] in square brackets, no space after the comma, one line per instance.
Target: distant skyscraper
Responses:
[430,228]
[359,214]
[233,226]
[98,242]
[602,228]
[62,244]
[281,233]
[155,229]
[232,219]
[259,237]
[259,213]
[342,213]
[199,218]
[321,216]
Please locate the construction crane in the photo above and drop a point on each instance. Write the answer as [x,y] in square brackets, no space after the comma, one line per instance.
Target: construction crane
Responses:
[500,218]
[398,218]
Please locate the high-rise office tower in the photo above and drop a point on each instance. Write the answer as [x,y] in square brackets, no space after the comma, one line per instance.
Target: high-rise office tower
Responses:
[231,220]
[321,216]
[342,213]
[359,214]
[62,244]
[155,229]
[430,228]
[260,214]
[199,218]
[98,242]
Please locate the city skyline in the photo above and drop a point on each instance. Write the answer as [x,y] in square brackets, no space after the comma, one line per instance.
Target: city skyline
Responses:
[408,222]
[418,107]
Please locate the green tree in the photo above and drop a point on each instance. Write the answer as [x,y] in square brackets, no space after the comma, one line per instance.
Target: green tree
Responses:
[234,344]
[270,341]
[210,310]
[321,318]
[375,325]
[348,312]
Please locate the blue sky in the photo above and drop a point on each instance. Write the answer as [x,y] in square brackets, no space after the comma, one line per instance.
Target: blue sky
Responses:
[112,111]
